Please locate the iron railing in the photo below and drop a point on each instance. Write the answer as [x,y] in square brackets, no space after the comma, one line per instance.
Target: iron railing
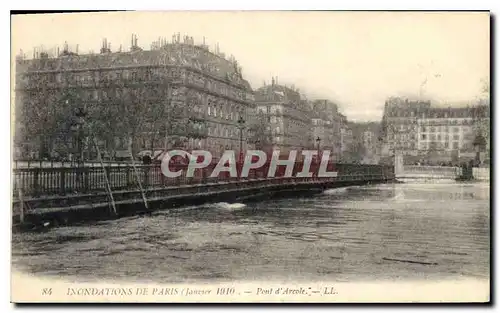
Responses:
[46,181]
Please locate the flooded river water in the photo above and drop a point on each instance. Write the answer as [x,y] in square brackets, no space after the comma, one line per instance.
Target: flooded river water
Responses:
[400,231]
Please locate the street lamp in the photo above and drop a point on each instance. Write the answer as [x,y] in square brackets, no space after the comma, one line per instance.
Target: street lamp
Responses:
[318,140]
[80,114]
[241,126]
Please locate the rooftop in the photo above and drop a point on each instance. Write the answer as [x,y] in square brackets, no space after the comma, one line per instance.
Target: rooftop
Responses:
[176,53]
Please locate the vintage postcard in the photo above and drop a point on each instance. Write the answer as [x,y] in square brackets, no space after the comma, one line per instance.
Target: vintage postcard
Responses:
[251,156]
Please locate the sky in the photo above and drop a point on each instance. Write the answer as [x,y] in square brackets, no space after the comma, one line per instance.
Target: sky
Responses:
[357,59]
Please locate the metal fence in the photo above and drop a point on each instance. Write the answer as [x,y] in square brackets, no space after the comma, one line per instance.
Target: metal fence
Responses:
[42,181]
[56,164]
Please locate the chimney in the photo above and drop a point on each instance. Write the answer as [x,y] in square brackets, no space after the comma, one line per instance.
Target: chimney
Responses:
[103,46]
[272,81]
[76,49]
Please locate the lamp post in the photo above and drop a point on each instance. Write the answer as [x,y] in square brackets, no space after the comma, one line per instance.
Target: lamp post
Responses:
[78,124]
[241,126]
[198,131]
[80,115]
[318,140]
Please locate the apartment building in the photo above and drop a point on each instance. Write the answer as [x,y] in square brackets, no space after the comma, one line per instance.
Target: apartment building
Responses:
[288,115]
[178,93]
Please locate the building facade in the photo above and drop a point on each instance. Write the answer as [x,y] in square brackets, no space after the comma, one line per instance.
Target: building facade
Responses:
[371,153]
[435,133]
[327,127]
[346,138]
[288,115]
[178,94]
[400,126]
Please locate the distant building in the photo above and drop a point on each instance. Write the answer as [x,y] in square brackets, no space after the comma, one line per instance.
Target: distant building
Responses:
[438,133]
[371,153]
[369,141]
[327,127]
[399,125]
[137,83]
[346,137]
[288,115]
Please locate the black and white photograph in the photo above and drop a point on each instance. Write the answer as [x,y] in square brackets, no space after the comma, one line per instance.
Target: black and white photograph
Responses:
[250,156]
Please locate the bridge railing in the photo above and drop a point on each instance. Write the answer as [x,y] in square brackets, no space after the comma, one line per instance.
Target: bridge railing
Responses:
[40,181]
[66,164]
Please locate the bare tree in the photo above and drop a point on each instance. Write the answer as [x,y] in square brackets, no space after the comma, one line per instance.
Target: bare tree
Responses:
[126,109]
[260,133]
[46,118]
[157,112]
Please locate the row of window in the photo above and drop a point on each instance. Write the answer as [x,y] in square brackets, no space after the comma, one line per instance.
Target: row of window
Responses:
[408,145]
[438,137]
[423,116]
[320,122]
[232,113]
[136,74]
[224,131]
[426,124]
[444,129]
[438,145]
[401,137]
[215,145]
[464,121]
